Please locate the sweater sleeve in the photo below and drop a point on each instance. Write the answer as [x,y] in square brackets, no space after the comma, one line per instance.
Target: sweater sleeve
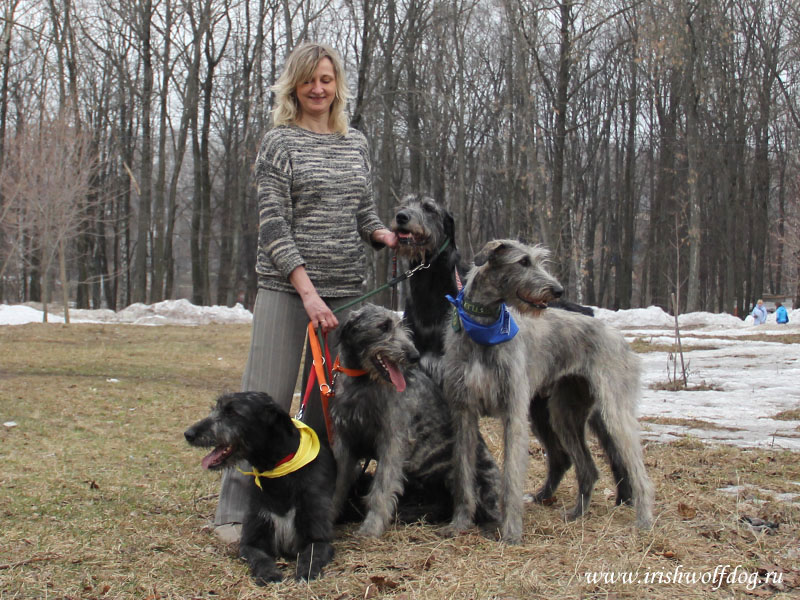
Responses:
[367,219]
[274,177]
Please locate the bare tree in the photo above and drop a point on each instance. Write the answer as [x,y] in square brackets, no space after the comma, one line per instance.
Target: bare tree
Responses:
[45,181]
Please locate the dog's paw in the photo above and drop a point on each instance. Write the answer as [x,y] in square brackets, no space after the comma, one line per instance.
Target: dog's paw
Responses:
[644,523]
[573,514]
[265,571]
[267,576]
[312,560]
[511,533]
[457,526]
[543,496]
[448,531]
[307,572]
[371,527]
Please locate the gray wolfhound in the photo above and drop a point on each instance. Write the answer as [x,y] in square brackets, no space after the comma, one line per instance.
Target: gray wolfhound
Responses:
[500,373]
[290,512]
[426,231]
[387,407]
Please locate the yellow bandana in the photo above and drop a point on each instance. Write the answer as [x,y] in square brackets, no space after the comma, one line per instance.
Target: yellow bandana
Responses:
[306,452]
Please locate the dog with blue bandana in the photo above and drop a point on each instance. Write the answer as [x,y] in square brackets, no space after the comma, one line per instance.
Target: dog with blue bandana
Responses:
[505,348]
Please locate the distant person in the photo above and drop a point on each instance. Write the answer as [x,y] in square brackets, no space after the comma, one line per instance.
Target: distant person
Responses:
[759,313]
[781,316]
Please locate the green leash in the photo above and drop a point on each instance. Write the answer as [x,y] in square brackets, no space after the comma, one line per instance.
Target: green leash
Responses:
[396,280]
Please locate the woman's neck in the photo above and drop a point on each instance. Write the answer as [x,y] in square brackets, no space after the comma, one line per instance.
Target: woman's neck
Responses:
[315,124]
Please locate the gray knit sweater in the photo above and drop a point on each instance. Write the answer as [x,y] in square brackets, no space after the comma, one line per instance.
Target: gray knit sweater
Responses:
[315,209]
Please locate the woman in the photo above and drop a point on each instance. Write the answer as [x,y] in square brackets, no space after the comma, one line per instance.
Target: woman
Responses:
[315,211]
[759,313]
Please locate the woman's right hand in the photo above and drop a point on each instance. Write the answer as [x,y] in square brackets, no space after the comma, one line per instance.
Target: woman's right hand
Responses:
[318,312]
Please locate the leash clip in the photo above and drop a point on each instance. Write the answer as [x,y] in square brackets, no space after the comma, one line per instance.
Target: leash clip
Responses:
[419,267]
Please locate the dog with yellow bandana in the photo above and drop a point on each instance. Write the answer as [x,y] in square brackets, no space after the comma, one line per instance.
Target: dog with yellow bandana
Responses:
[294,477]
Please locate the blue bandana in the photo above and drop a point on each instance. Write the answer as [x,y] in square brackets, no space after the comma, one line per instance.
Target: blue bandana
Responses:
[502,330]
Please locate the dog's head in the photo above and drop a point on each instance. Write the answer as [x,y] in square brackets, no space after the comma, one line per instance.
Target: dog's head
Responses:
[422,226]
[374,339]
[244,426]
[515,273]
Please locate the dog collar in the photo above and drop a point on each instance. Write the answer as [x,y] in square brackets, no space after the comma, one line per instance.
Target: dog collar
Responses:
[307,450]
[502,330]
[337,367]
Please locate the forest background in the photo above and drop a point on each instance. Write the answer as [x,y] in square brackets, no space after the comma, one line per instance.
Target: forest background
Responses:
[652,145]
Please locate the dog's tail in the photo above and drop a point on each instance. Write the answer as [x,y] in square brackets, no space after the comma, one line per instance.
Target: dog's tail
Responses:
[617,427]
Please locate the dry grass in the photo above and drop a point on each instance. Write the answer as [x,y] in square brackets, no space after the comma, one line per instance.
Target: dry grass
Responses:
[690,423]
[102,498]
[641,345]
[677,385]
[788,415]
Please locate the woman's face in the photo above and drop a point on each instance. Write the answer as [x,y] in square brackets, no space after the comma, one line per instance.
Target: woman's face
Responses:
[318,92]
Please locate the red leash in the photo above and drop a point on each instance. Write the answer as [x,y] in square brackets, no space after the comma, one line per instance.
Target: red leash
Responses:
[323,372]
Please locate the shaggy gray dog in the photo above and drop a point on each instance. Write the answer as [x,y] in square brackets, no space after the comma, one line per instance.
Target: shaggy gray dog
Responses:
[500,379]
[392,411]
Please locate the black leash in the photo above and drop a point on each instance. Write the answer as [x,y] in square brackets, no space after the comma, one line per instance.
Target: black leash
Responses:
[408,274]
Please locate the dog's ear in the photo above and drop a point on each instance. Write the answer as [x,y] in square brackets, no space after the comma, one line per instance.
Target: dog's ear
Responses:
[346,328]
[450,228]
[490,252]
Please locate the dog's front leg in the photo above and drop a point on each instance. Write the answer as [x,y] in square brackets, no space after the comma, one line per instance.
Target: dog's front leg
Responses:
[515,462]
[257,548]
[312,559]
[346,475]
[465,449]
[387,484]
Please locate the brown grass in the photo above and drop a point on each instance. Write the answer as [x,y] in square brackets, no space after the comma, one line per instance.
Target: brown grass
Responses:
[788,415]
[677,385]
[691,423]
[641,345]
[102,498]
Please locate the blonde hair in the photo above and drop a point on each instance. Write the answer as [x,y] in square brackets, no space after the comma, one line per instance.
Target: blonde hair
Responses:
[300,65]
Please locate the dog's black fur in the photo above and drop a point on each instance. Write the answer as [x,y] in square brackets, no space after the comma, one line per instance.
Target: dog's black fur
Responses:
[291,516]
[423,225]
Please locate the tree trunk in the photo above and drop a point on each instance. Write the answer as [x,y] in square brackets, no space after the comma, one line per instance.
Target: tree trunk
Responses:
[159,224]
[629,207]
[146,171]
[562,235]
[62,270]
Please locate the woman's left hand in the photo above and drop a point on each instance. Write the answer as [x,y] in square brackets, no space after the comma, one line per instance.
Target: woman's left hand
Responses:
[386,237]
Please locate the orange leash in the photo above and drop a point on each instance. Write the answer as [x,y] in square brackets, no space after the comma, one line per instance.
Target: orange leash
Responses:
[323,374]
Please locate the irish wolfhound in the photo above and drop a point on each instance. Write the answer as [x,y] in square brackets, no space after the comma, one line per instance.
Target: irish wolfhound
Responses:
[427,237]
[426,232]
[391,410]
[500,372]
[291,511]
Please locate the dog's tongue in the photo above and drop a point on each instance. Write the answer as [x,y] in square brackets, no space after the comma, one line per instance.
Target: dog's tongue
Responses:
[214,456]
[398,380]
